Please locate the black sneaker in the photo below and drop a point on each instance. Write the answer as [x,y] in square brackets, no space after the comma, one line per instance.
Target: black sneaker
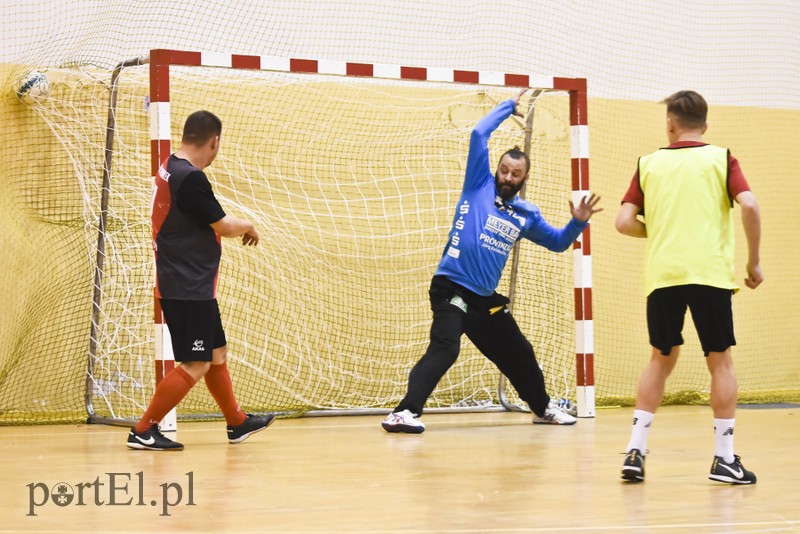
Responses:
[633,468]
[251,425]
[733,473]
[152,440]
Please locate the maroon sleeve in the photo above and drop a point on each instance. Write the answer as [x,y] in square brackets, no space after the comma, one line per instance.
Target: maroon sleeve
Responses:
[736,180]
[634,194]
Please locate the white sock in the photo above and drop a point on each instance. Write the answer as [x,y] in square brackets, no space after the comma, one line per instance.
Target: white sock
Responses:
[641,425]
[723,438]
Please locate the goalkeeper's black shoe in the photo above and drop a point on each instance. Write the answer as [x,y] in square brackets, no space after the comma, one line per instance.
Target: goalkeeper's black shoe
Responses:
[251,425]
[732,473]
[152,440]
[633,468]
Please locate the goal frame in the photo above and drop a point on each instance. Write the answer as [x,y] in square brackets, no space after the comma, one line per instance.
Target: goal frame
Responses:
[161,60]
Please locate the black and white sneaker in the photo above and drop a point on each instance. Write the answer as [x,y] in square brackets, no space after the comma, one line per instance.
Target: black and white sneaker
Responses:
[404,421]
[152,440]
[633,468]
[732,473]
[557,413]
[251,425]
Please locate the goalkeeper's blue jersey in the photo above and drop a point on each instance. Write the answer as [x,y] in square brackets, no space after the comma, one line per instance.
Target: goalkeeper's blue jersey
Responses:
[485,228]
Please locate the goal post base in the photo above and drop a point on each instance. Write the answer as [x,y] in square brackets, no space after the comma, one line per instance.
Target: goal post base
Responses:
[586,401]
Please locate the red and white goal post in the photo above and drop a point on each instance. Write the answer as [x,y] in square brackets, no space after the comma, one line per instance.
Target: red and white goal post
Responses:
[163,127]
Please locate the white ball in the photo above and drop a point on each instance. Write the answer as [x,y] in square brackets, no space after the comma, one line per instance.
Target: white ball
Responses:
[33,87]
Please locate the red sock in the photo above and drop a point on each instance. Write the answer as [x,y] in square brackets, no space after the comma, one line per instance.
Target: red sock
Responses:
[218,382]
[169,392]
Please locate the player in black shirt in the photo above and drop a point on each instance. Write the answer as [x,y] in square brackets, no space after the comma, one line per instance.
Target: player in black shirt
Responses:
[188,224]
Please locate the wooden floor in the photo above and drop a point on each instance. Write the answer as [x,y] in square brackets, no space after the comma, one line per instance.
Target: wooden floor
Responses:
[482,473]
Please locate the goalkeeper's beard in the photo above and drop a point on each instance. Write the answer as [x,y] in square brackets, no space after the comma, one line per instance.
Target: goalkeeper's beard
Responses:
[507,190]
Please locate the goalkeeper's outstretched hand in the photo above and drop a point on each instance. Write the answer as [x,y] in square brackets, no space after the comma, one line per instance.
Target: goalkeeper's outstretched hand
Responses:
[517,112]
[585,209]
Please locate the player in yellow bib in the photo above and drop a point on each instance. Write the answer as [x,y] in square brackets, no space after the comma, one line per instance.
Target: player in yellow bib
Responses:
[685,194]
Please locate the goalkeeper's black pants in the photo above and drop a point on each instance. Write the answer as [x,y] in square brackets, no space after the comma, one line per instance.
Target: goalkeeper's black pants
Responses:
[488,323]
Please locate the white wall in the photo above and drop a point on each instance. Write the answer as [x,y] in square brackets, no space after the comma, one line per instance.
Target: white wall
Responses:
[736,52]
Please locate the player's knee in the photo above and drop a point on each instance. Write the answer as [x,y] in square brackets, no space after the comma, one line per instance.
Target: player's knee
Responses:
[196,370]
[219,355]
[444,352]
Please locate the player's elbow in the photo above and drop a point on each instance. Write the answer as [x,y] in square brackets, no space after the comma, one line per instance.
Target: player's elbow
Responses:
[223,230]
[622,225]
[627,221]
[560,243]
[228,231]
[631,228]
[226,227]
[478,135]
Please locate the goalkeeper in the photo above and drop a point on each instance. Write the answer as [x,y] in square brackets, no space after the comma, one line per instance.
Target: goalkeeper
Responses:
[490,217]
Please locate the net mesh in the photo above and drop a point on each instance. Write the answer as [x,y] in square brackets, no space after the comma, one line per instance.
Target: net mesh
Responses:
[352,185]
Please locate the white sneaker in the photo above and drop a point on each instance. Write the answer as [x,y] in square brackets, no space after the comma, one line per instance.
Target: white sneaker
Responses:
[404,421]
[554,415]
[568,406]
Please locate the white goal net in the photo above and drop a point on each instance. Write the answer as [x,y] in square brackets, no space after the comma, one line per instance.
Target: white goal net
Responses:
[352,183]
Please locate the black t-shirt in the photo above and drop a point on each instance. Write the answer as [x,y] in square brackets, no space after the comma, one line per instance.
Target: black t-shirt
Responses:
[187,249]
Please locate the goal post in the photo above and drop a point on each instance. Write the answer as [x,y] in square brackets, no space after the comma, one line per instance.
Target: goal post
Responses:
[584,324]
[351,171]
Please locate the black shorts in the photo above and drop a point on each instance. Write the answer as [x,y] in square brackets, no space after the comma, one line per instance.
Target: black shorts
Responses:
[195,327]
[711,312]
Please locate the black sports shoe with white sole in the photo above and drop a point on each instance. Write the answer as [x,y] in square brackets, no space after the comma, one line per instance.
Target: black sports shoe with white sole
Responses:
[633,468]
[152,440]
[732,473]
[251,425]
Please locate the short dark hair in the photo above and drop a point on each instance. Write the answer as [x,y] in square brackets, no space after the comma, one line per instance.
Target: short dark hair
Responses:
[689,107]
[517,153]
[201,126]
